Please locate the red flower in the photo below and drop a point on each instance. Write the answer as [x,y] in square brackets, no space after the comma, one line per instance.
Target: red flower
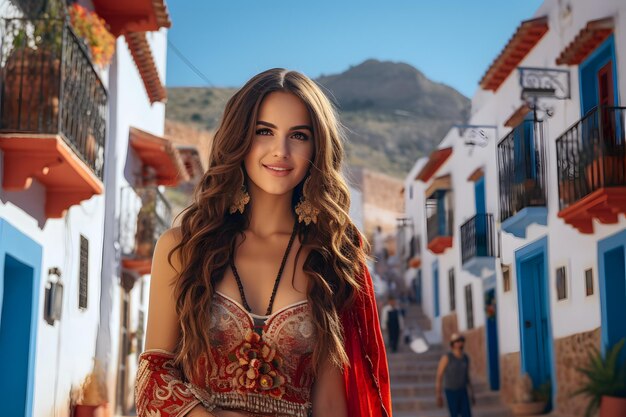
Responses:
[89,26]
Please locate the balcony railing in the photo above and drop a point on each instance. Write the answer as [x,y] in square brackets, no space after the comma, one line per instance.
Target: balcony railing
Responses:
[478,237]
[144,215]
[592,154]
[521,168]
[49,86]
[438,226]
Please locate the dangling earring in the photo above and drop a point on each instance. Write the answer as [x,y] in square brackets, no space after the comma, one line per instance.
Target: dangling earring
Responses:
[304,209]
[241,198]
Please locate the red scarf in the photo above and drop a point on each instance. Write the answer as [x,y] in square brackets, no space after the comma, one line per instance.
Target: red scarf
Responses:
[368,360]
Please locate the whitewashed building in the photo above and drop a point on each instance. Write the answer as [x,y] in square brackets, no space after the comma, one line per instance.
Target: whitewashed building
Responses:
[532,269]
[82,159]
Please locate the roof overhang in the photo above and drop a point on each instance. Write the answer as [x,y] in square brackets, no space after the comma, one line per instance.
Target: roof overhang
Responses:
[191,159]
[477,174]
[124,16]
[440,183]
[588,39]
[518,116]
[435,161]
[142,55]
[160,154]
[527,35]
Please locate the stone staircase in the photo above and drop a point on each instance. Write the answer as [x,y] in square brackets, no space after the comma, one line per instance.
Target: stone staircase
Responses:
[413,379]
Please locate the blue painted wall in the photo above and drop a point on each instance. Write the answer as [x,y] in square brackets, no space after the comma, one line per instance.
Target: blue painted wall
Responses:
[537,353]
[436,288]
[612,283]
[20,272]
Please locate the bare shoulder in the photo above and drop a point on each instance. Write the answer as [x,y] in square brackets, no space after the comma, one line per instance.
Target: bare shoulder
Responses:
[163,330]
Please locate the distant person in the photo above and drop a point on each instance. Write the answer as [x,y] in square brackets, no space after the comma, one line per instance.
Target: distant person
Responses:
[393,322]
[380,252]
[454,369]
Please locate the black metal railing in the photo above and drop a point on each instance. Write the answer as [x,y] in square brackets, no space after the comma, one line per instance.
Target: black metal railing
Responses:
[521,169]
[478,237]
[592,154]
[440,227]
[144,215]
[49,86]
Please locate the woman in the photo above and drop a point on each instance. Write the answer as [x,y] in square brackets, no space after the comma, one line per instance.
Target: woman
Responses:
[227,335]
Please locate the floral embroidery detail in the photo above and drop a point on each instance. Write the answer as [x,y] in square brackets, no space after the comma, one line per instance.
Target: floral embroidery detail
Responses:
[256,367]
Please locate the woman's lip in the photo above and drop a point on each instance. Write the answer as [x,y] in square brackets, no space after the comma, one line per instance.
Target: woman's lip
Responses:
[278,173]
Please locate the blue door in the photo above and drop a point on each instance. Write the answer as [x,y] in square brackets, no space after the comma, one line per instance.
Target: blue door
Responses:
[436,288]
[441,214]
[534,322]
[481,219]
[493,355]
[612,283]
[20,269]
[598,83]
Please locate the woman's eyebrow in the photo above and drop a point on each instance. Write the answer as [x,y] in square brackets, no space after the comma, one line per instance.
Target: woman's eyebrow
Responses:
[273,126]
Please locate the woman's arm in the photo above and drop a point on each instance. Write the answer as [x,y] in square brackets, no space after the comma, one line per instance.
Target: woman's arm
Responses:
[157,371]
[443,362]
[329,397]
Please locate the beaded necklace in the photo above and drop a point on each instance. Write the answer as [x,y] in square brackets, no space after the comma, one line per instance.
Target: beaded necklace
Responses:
[259,323]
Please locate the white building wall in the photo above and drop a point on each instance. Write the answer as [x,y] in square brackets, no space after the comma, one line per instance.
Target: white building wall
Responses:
[566,245]
[60,362]
[130,107]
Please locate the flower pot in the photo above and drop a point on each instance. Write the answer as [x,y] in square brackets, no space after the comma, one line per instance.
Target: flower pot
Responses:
[604,171]
[31,90]
[612,406]
[528,409]
[567,191]
[90,410]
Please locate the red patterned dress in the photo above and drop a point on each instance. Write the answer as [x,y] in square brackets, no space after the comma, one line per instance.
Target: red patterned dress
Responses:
[262,364]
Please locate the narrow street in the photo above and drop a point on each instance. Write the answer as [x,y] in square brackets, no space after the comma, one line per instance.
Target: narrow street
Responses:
[413,379]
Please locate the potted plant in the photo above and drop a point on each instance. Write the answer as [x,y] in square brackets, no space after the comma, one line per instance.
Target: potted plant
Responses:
[605,383]
[32,70]
[530,401]
[92,398]
[146,234]
[93,30]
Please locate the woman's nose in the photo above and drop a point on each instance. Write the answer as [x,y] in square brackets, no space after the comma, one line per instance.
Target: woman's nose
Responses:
[281,147]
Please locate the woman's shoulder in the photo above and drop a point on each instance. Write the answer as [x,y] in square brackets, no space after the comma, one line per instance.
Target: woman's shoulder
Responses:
[167,242]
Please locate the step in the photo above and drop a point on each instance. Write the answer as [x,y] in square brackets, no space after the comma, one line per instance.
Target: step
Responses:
[443,412]
[424,388]
[428,402]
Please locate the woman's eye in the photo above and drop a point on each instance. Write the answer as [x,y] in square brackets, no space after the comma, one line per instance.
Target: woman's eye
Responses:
[263,132]
[300,136]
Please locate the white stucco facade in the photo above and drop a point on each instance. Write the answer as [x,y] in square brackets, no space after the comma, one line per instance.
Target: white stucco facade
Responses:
[582,309]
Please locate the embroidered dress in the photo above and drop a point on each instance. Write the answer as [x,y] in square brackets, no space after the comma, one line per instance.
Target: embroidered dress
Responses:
[270,375]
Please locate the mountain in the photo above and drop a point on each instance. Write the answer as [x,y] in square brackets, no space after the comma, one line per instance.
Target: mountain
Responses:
[393,113]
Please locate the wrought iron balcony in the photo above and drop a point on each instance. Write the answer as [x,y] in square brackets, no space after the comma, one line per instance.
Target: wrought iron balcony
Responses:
[439,229]
[591,163]
[478,246]
[49,86]
[522,178]
[145,215]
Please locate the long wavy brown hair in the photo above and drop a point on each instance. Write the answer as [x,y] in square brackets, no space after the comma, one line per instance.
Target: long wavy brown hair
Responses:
[337,254]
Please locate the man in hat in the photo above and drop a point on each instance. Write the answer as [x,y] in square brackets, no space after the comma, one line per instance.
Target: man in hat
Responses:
[454,370]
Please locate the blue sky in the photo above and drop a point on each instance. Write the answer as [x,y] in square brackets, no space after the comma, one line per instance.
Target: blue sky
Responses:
[451,41]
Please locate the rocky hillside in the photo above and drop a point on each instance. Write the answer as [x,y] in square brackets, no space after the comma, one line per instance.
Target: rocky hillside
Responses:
[393,113]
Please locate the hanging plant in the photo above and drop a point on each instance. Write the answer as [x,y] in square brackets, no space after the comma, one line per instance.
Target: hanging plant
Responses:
[93,29]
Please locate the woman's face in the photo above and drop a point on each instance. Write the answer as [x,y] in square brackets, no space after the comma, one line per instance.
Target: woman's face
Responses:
[282,147]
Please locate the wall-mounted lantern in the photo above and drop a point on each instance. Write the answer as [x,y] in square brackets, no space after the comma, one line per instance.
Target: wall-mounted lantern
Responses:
[53,304]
